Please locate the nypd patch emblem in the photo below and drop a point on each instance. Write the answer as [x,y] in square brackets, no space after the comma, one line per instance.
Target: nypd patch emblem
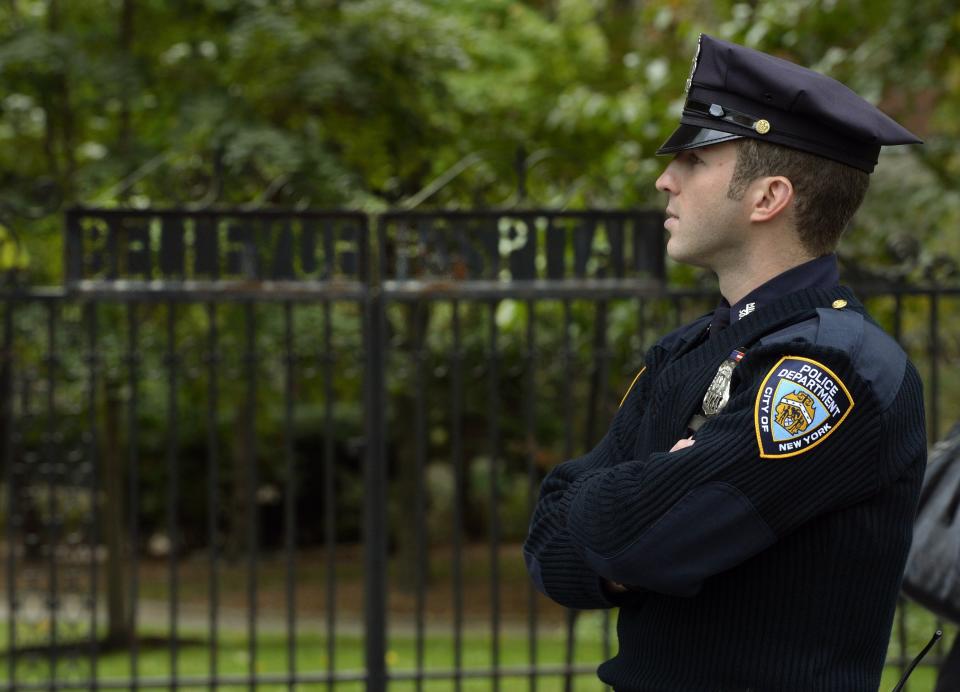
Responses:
[800,403]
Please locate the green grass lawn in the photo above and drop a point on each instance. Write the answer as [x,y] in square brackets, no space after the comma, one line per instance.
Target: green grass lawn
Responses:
[311,655]
[154,661]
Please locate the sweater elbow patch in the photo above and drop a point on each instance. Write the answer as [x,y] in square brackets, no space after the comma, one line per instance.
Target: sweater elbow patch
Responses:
[711,529]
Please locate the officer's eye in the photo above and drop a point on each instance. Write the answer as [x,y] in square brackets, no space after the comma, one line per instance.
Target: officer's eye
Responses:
[690,158]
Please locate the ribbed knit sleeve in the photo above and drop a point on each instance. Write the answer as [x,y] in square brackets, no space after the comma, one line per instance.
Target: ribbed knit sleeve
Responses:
[554,561]
[903,427]
[668,521]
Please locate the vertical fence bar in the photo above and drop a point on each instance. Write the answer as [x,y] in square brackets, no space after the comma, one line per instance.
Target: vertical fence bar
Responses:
[530,441]
[898,313]
[456,451]
[31,455]
[597,374]
[52,469]
[420,453]
[934,423]
[493,421]
[93,364]
[12,527]
[375,538]
[375,475]
[173,491]
[329,493]
[566,394]
[133,488]
[642,309]
[250,363]
[597,406]
[902,643]
[213,491]
[934,346]
[290,508]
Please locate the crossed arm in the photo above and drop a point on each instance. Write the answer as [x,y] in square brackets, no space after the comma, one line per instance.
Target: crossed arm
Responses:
[670,520]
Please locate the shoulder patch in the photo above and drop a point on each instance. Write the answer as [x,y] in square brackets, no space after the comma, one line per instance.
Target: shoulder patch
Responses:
[799,405]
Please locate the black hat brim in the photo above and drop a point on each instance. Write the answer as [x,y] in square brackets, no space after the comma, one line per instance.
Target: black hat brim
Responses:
[693,137]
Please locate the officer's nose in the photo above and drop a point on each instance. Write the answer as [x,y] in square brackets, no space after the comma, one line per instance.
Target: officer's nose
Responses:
[667,182]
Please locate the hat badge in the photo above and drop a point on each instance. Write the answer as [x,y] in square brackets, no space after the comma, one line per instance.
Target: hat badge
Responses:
[762,126]
[693,66]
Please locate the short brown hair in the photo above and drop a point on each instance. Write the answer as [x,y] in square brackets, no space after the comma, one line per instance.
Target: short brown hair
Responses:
[827,193]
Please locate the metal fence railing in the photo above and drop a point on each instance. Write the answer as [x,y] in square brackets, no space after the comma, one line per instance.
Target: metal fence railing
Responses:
[273,450]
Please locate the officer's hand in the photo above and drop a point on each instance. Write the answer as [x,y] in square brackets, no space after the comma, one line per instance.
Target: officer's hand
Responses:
[613,588]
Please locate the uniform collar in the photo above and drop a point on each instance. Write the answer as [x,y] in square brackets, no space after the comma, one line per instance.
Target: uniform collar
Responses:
[821,272]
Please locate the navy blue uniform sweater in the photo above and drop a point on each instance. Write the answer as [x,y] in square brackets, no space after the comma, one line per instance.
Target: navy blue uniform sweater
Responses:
[746,569]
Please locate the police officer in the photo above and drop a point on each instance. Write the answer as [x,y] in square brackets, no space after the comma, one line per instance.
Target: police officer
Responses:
[750,507]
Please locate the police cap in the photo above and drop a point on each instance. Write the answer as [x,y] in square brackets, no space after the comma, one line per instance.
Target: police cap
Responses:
[736,92]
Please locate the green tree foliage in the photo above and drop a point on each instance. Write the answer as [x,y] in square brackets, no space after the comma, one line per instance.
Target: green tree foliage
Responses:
[378,103]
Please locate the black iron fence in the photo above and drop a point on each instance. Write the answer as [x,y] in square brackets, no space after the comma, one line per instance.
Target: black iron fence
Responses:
[235,442]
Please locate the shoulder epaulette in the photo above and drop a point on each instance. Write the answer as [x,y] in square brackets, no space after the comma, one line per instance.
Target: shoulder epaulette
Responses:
[878,359]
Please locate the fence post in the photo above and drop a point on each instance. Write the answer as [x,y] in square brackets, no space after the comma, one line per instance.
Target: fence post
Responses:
[9,475]
[375,496]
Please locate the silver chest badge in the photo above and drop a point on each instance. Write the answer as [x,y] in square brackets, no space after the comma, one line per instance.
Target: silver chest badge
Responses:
[718,393]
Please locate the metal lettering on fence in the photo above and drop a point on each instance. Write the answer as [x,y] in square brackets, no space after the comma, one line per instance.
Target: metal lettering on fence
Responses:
[135,252]
[513,254]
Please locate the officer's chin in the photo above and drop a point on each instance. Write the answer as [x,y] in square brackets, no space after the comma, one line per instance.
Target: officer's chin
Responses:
[676,252]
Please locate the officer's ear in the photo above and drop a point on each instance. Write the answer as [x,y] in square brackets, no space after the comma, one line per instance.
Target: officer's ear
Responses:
[770,196]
